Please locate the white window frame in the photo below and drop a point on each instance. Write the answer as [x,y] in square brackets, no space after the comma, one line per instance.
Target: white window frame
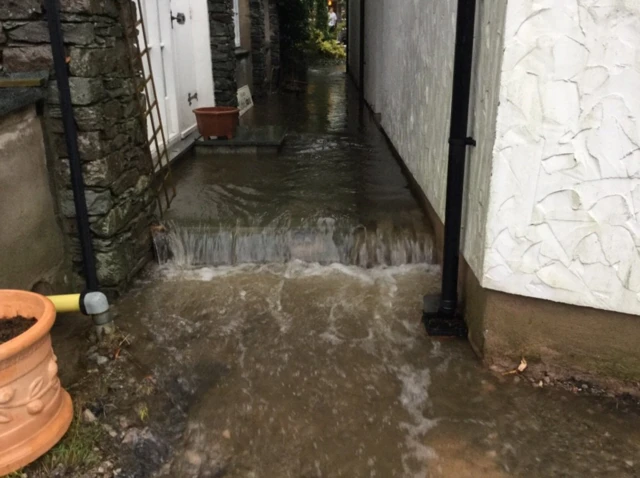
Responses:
[236,21]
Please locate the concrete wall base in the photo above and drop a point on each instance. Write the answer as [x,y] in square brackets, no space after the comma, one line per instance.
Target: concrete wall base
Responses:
[561,341]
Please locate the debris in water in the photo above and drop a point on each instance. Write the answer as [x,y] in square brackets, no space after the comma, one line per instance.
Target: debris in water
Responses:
[226,434]
[521,368]
[143,412]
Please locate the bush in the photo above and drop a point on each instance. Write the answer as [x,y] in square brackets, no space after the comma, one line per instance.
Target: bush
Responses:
[320,46]
[332,49]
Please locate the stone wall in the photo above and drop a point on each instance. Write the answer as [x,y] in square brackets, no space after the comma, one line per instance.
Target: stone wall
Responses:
[110,135]
[275,37]
[223,58]
[259,48]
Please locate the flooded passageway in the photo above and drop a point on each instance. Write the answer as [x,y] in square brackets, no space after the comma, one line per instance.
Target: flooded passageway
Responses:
[284,327]
[333,194]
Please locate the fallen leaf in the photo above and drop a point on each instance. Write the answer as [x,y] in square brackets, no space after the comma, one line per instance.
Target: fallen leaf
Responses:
[523,365]
[521,368]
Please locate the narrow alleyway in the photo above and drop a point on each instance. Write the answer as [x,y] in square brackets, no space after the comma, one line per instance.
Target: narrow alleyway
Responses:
[312,361]
[333,194]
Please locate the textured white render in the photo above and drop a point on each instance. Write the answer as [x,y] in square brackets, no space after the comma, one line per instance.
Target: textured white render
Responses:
[489,41]
[565,191]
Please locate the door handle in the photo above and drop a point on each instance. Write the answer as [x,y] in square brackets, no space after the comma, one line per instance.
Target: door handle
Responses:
[180,18]
[191,97]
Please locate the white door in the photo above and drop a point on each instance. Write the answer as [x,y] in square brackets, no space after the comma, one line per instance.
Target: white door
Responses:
[185,65]
[180,53]
[157,25]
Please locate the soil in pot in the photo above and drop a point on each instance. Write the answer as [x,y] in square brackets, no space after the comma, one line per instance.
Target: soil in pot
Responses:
[11,327]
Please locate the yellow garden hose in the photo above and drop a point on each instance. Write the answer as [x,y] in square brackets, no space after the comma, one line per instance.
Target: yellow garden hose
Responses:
[66,303]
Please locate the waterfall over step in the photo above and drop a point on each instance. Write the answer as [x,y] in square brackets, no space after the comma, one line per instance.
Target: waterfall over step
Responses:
[323,241]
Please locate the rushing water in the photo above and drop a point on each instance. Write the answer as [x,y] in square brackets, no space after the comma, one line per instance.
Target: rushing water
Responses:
[299,351]
[301,370]
[320,242]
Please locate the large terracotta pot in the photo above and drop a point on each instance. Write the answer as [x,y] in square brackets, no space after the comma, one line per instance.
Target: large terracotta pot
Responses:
[35,412]
[219,121]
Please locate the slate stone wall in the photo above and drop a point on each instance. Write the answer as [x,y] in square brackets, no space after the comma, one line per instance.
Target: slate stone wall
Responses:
[274,20]
[259,48]
[111,136]
[223,48]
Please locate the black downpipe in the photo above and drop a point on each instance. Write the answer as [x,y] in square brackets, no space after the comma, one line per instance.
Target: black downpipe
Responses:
[441,317]
[71,138]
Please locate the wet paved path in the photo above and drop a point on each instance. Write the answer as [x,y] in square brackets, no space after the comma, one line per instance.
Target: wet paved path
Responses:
[306,370]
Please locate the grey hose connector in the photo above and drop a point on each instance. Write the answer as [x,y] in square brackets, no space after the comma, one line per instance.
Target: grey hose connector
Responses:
[96,305]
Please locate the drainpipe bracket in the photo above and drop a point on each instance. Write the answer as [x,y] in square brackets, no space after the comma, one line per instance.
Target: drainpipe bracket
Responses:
[468,141]
[440,322]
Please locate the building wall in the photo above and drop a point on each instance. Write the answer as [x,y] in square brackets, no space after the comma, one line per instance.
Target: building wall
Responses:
[203,67]
[354,39]
[31,240]
[244,67]
[409,51]
[489,42]
[260,46]
[417,68]
[274,23]
[111,137]
[223,51]
[563,220]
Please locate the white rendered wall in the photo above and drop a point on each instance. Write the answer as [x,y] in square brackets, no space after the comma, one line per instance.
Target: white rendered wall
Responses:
[565,192]
[489,42]
[408,80]
[413,91]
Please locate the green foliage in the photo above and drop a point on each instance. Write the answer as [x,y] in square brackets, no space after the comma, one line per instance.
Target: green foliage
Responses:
[319,46]
[322,17]
[332,49]
[304,33]
[75,453]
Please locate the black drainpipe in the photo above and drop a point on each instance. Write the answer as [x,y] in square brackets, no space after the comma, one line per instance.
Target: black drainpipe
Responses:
[441,315]
[71,137]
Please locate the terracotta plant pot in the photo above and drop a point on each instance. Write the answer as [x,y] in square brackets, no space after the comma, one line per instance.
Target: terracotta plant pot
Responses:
[35,412]
[219,121]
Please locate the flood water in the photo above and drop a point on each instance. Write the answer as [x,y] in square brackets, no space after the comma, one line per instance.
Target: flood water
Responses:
[333,194]
[299,351]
